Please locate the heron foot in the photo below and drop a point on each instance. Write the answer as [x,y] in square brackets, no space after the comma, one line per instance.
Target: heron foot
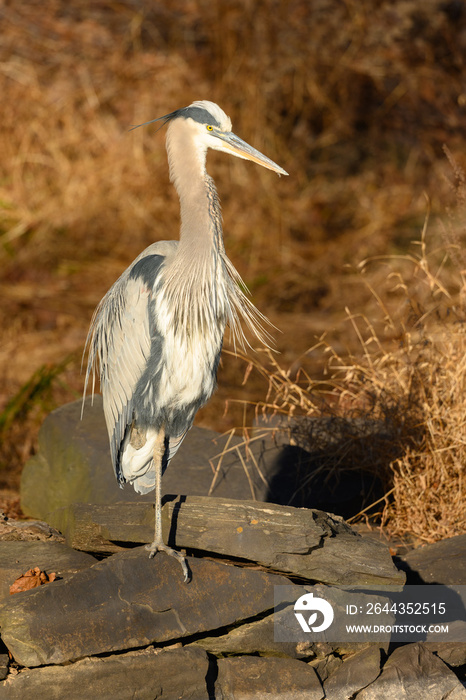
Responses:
[155,547]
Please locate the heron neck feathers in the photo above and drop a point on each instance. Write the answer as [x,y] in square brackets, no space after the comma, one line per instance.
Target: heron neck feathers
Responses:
[200,271]
[201,226]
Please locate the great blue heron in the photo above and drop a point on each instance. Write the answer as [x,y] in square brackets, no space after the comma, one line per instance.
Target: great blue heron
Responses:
[157,334]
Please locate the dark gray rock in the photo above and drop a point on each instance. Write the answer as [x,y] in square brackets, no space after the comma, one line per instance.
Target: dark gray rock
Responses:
[326,666]
[356,672]
[141,675]
[4,663]
[73,465]
[17,557]
[261,637]
[453,651]
[412,671]
[244,677]
[308,543]
[442,562]
[255,637]
[106,528]
[27,531]
[349,561]
[129,601]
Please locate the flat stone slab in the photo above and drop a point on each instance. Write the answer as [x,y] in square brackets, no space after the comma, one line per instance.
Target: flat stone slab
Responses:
[256,638]
[4,664]
[442,562]
[129,601]
[451,651]
[414,672]
[143,675]
[326,666]
[17,557]
[106,528]
[303,542]
[27,531]
[244,677]
[356,672]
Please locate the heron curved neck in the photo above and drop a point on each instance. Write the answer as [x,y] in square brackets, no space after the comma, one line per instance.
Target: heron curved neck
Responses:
[200,210]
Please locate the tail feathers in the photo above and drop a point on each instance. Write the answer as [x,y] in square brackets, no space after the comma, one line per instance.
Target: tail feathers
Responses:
[174,443]
[144,483]
[137,464]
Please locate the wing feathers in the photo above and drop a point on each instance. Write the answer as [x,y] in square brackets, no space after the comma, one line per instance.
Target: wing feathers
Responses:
[120,342]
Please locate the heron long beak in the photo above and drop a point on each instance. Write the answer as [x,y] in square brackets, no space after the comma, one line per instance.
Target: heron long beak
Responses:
[233,144]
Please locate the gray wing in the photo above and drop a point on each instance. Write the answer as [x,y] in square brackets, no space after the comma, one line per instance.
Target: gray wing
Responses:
[119,344]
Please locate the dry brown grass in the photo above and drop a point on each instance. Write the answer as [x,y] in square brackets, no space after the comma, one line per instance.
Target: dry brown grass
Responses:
[354,99]
[397,408]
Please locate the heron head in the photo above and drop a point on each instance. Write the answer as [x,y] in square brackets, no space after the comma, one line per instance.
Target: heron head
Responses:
[211,128]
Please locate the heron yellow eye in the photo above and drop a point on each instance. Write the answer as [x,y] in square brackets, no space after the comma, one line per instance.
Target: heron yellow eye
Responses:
[209,127]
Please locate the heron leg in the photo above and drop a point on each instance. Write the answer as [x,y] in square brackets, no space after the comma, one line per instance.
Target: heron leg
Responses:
[158,545]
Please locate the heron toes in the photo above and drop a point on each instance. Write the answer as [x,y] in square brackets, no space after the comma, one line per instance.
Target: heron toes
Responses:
[155,547]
